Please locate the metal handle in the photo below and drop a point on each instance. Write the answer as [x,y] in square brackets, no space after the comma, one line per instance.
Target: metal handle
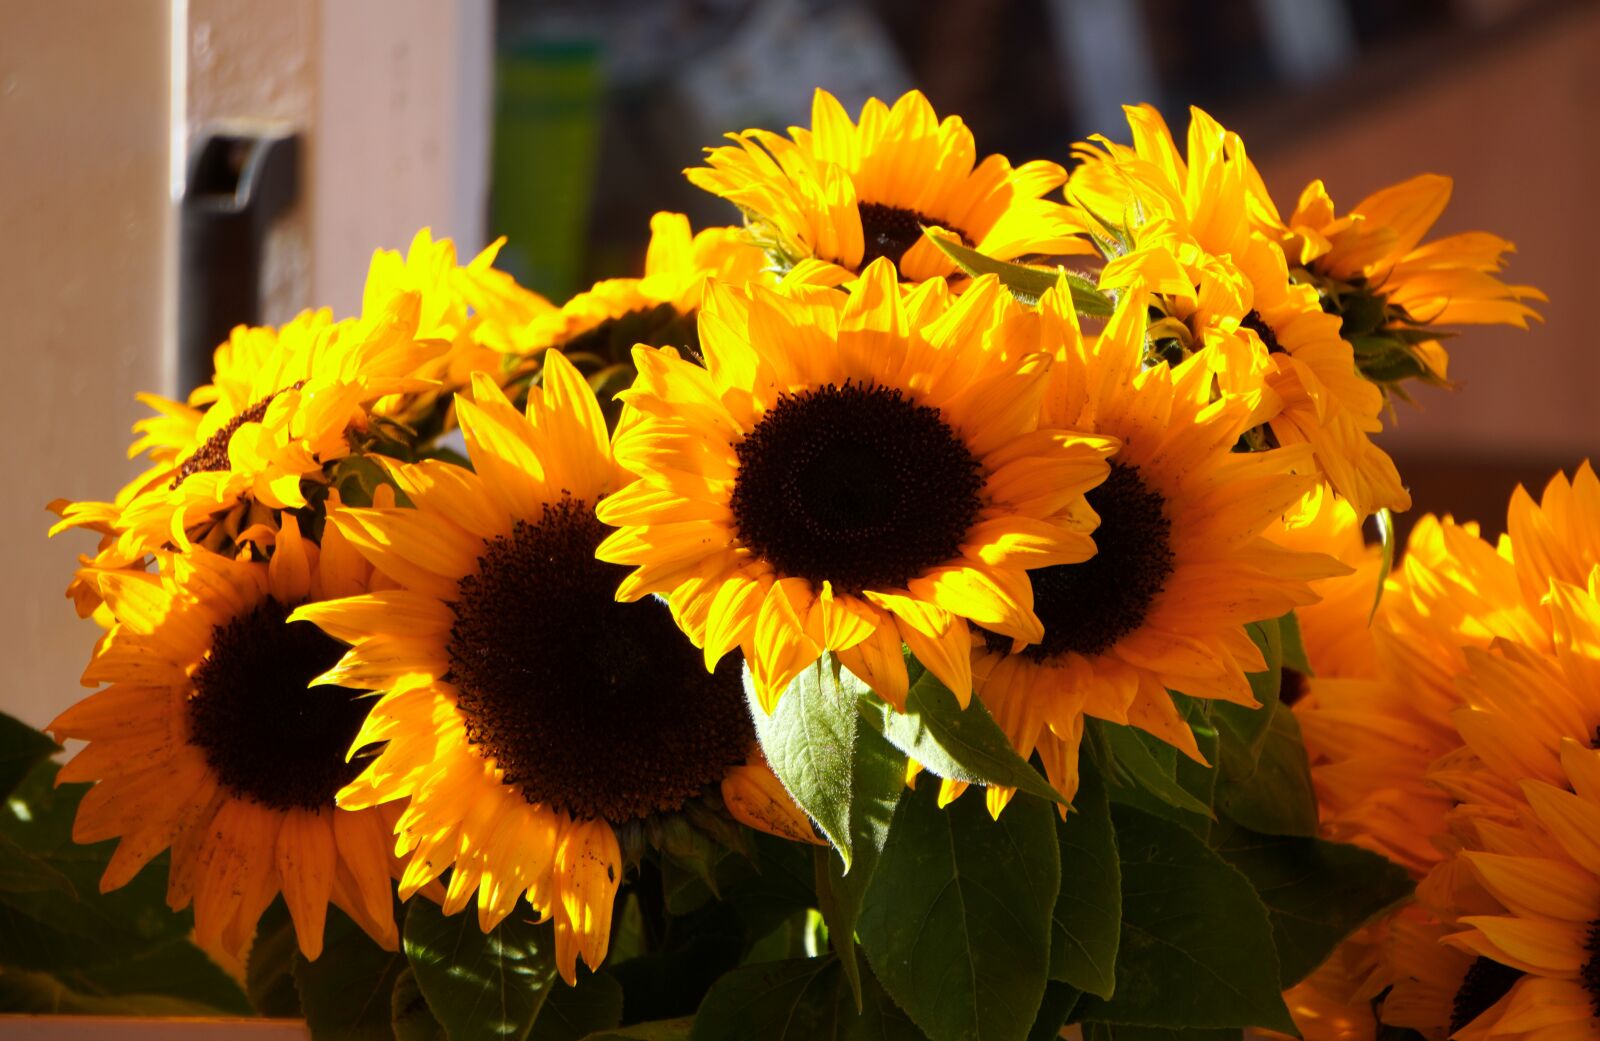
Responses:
[239,183]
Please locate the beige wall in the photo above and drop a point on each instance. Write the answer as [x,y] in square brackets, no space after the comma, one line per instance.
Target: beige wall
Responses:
[84,204]
[1518,127]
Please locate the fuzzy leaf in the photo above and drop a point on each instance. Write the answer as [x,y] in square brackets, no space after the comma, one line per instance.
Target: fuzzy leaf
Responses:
[956,922]
[1087,920]
[489,986]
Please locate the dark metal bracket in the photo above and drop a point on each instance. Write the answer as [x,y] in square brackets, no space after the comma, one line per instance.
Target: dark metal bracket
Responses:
[239,183]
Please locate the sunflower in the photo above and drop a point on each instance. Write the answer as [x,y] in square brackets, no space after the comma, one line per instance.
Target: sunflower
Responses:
[1336,631]
[1181,563]
[282,405]
[849,472]
[1391,289]
[530,719]
[207,740]
[830,199]
[1544,940]
[1177,226]
[597,329]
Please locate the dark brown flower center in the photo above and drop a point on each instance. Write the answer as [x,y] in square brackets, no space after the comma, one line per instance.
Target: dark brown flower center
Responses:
[889,231]
[1258,325]
[857,485]
[595,708]
[1486,982]
[613,339]
[267,735]
[1088,607]
[1292,686]
[213,455]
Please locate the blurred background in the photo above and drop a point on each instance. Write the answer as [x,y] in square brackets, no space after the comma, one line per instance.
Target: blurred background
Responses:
[176,164]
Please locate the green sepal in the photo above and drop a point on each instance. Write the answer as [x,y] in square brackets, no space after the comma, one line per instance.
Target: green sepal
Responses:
[1026,282]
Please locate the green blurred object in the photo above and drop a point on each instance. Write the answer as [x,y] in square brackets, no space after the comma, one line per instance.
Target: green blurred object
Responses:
[546,139]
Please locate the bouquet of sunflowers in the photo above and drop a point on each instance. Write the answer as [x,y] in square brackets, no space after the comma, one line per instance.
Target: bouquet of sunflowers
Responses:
[938,607]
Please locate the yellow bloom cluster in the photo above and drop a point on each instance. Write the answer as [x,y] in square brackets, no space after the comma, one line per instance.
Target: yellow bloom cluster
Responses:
[866,427]
[1457,736]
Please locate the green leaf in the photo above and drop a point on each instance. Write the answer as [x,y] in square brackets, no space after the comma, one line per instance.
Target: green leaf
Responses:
[956,922]
[1087,920]
[1059,1001]
[1026,282]
[1151,765]
[21,749]
[269,968]
[949,741]
[347,993]
[1385,521]
[810,741]
[656,1030]
[802,999]
[1246,728]
[1316,892]
[40,993]
[791,1000]
[22,872]
[1274,795]
[877,779]
[571,1013]
[1196,947]
[409,1015]
[1294,647]
[480,985]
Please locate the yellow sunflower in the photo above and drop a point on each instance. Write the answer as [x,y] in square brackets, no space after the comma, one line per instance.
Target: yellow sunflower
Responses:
[829,199]
[1336,631]
[1544,940]
[282,405]
[1181,563]
[1391,287]
[849,472]
[598,328]
[207,740]
[1177,225]
[529,718]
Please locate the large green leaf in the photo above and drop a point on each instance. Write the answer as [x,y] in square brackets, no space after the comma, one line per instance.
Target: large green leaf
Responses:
[802,999]
[480,985]
[269,968]
[347,993]
[1246,728]
[21,749]
[409,1014]
[1087,921]
[1146,764]
[877,779]
[1027,283]
[1273,795]
[1059,1001]
[949,741]
[1294,646]
[956,922]
[655,1030]
[571,1013]
[41,993]
[1196,946]
[811,741]
[1316,892]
